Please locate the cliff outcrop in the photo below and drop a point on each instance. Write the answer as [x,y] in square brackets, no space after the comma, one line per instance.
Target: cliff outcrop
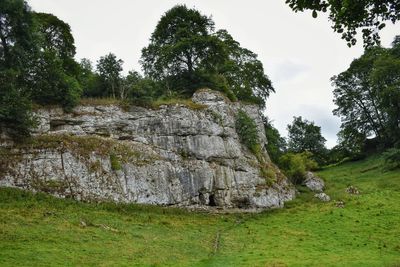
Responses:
[183,155]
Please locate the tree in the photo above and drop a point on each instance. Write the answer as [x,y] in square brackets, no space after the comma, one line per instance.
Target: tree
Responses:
[17,48]
[15,107]
[276,145]
[181,48]
[89,80]
[367,96]
[16,34]
[52,84]
[185,53]
[109,69]
[54,74]
[56,35]
[244,72]
[304,135]
[350,16]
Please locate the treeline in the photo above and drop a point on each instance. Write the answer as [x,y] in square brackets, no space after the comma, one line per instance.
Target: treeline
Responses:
[367,96]
[37,65]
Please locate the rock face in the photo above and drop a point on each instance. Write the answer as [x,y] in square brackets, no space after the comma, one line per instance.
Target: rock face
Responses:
[173,155]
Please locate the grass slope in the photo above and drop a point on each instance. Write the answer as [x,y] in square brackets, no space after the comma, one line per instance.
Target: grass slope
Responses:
[38,230]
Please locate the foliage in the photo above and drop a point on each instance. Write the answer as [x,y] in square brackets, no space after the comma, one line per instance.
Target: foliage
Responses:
[392,159]
[304,135]
[90,81]
[16,35]
[15,107]
[295,165]
[350,16]
[36,64]
[244,72]
[115,163]
[52,85]
[246,128]
[109,69]
[364,233]
[186,54]
[180,47]
[367,98]
[55,35]
[276,145]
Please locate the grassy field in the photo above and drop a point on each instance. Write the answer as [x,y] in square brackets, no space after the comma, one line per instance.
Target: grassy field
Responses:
[38,230]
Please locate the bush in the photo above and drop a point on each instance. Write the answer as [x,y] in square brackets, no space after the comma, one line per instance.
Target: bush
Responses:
[295,165]
[391,159]
[246,128]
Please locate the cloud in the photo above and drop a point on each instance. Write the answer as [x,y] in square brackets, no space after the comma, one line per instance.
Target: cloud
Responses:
[285,71]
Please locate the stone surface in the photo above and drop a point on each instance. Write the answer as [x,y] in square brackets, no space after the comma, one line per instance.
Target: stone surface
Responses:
[173,155]
[352,190]
[314,183]
[323,197]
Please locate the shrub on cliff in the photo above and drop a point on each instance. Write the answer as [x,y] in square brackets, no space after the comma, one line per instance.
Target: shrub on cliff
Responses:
[246,128]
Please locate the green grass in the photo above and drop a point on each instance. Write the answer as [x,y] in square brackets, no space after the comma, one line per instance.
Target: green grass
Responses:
[38,230]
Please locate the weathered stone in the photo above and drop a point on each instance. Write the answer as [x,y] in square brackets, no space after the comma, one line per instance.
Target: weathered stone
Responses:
[323,197]
[314,183]
[352,190]
[173,155]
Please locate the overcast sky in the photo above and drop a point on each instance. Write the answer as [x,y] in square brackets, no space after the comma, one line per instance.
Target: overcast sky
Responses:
[300,54]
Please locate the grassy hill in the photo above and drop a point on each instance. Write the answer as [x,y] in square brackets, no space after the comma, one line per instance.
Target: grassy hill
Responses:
[39,230]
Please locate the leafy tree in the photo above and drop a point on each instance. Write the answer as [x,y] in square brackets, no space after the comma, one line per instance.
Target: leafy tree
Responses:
[109,69]
[276,145]
[181,47]
[15,106]
[17,48]
[56,35]
[16,34]
[140,90]
[89,80]
[36,64]
[52,85]
[350,16]
[304,135]
[367,97]
[185,53]
[244,72]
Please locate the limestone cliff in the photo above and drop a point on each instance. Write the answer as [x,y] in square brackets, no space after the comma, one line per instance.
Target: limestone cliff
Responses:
[172,155]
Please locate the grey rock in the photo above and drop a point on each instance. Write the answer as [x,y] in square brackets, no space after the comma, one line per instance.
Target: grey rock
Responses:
[173,155]
[314,183]
[323,197]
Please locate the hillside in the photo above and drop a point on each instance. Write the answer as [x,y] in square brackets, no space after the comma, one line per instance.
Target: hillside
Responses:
[42,230]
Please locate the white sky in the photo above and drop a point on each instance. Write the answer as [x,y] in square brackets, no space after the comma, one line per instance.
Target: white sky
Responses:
[300,54]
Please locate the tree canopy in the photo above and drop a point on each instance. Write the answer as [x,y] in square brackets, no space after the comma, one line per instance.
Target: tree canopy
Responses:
[367,96]
[304,135]
[350,16]
[186,53]
[109,69]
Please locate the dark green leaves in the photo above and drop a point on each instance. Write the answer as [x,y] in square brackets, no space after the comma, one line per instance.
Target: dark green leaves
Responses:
[350,16]
[185,54]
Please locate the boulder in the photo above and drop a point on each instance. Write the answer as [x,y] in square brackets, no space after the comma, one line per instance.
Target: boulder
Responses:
[314,183]
[323,197]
